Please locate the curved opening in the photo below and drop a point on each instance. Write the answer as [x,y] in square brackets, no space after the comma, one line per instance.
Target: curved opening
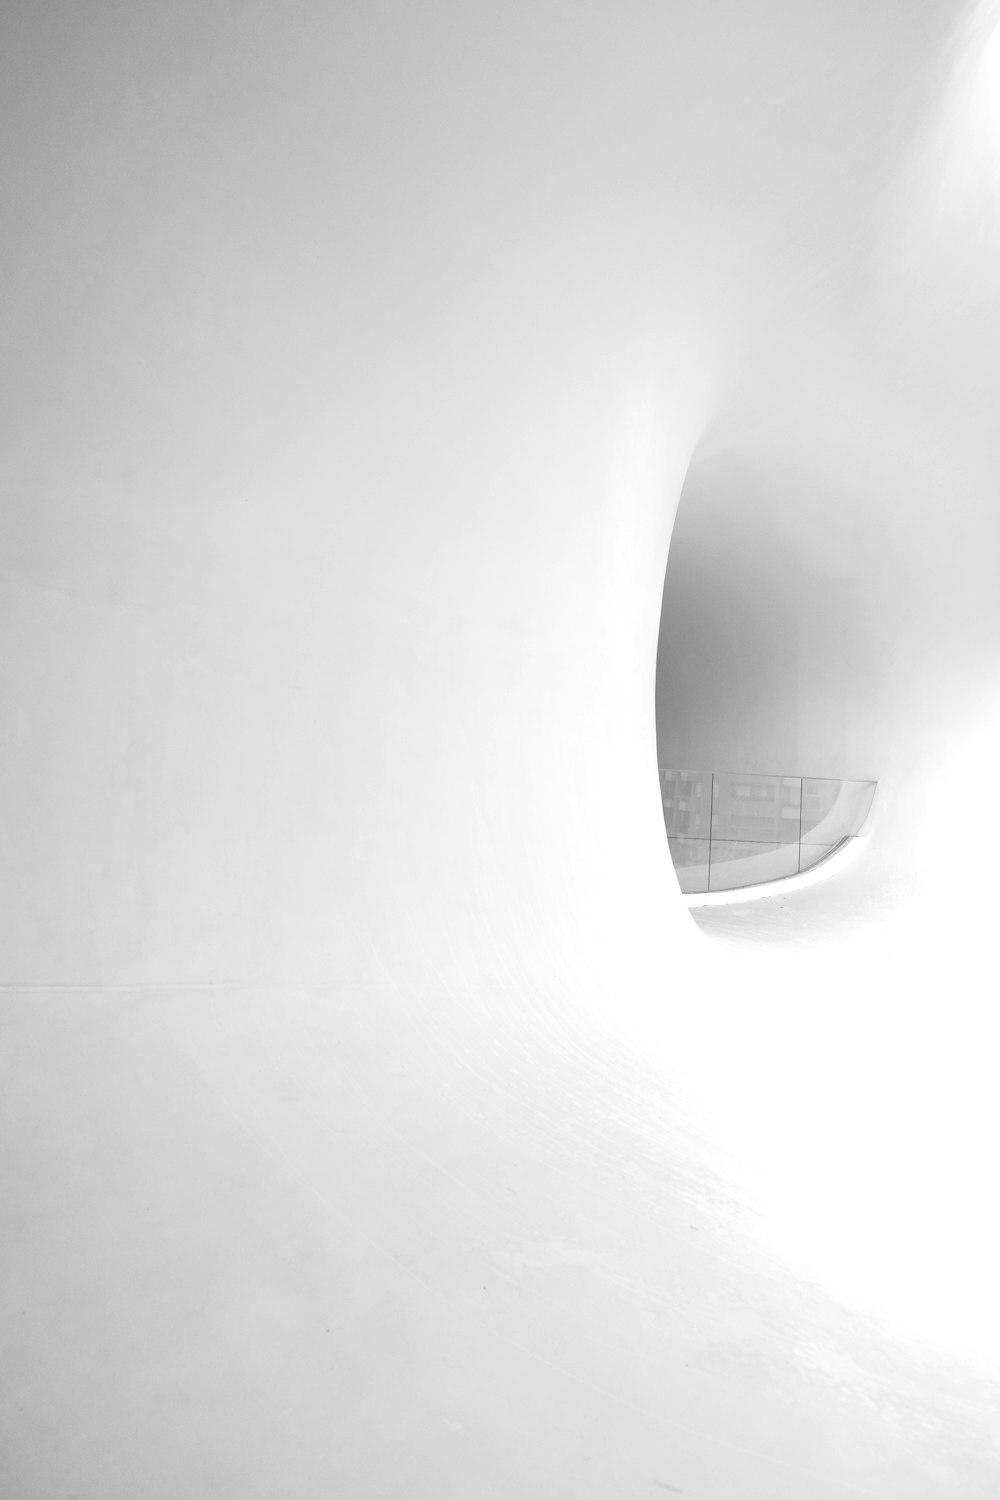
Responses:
[762,660]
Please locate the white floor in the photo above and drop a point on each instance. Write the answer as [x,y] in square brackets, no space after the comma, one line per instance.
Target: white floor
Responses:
[369,1242]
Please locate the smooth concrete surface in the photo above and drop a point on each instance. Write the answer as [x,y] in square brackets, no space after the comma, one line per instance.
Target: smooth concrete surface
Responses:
[376,1120]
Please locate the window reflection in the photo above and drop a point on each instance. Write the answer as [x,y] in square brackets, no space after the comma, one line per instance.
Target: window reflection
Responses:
[727,830]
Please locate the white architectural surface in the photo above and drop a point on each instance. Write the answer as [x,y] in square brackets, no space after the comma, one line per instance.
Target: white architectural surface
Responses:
[375,1119]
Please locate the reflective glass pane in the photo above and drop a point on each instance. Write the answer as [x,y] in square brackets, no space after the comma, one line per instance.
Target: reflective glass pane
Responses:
[811,855]
[690,857]
[833,809]
[687,800]
[736,863]
[756,808]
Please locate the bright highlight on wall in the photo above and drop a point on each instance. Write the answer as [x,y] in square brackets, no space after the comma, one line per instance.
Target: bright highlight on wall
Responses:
[962,149]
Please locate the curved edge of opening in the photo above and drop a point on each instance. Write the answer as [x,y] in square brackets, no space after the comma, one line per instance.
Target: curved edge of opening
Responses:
[843,854]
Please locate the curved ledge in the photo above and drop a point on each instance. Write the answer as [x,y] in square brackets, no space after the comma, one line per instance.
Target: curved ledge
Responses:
[845,853]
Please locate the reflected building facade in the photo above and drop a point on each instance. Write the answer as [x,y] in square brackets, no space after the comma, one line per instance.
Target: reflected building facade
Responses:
[733,829]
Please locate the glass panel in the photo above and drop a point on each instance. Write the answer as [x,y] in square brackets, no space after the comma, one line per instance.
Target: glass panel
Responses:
[736,863]
[687,799]
[755,822]
[833,809]
[690,857]
[756,808]
[814,854]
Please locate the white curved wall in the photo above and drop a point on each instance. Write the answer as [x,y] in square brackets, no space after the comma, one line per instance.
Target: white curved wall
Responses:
[370,1090]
